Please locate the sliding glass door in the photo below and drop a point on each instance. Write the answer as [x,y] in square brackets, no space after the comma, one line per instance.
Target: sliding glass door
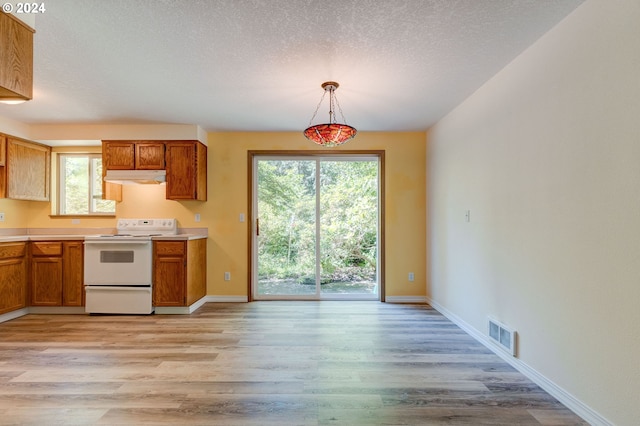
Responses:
[316,228]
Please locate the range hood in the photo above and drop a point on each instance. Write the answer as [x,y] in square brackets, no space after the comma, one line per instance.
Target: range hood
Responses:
[136,176]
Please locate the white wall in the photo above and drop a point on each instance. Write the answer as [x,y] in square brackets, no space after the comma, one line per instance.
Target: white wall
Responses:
[546,155]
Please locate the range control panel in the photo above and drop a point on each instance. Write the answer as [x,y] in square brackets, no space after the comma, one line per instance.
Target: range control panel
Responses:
[148,226]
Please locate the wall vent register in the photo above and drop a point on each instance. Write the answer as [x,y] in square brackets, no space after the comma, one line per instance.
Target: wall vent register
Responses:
[502,335]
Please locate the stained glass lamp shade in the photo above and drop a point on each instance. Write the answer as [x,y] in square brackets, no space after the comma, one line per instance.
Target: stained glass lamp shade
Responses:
[332,133]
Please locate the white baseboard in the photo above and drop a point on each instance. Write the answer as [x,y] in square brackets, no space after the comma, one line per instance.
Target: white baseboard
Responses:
[63,310]
[570,401]
[180,310]
[14,314]
[405,299]
[226,299]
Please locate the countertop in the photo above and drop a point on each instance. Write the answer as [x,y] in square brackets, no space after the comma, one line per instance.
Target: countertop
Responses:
[75,237]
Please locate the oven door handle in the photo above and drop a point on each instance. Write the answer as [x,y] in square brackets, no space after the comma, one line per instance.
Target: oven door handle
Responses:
[138,242]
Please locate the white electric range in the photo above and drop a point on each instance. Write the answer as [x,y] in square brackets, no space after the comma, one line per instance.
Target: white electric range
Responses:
[118,267]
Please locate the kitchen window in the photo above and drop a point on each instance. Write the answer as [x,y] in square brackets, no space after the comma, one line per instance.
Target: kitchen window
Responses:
[80,186]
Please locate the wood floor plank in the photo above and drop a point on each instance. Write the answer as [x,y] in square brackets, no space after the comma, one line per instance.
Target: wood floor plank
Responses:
[262,363]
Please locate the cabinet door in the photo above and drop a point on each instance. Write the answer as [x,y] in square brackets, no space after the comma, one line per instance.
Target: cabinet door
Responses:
[3,150]
[181,173]
[118,155]
[169,273]
[13,276]
[150,155]
[72,273]
[186,171]
[169,288]
[46,281]
[13,284]
[16,57]
[28,169]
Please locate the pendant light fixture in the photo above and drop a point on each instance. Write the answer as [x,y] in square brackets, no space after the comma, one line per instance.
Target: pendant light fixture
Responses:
[332,133]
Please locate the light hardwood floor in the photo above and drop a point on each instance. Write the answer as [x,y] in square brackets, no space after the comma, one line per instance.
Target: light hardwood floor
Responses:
[262,363]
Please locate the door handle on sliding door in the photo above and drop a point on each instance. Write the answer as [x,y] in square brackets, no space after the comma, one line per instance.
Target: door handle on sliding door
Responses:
[258,227]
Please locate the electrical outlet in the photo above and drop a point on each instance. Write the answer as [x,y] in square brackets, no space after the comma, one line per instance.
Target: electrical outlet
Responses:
[1,217]
[75,221]
[197,217]
[412,277]
[227,276]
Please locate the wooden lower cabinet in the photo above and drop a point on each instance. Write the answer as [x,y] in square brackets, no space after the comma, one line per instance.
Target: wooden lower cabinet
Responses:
[56,273]
[179,272]
[46,281]
[13,276]
[72,273]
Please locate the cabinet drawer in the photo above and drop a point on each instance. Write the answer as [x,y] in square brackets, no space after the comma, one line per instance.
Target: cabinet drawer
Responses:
[10,250]
[46,249]
[170,248]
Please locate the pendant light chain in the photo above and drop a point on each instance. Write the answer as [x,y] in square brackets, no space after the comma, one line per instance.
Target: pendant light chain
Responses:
[344,120]
[332,113]
[317,108]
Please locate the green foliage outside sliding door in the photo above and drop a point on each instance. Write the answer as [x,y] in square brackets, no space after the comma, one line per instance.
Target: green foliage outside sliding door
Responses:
[348,220]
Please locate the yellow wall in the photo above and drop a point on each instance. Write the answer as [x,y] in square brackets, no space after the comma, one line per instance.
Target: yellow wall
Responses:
[15,213]
[227,197]
[405,205]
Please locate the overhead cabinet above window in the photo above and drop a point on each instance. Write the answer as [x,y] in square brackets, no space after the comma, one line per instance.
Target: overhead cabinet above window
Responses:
[185,163]
[24,169]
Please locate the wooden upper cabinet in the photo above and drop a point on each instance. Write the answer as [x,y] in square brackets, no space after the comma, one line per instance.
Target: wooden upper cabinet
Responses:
[16,58]
[118,155]
[3,150]
[184,161]
[186,171]
[150,156]
[25,174]
[132,155]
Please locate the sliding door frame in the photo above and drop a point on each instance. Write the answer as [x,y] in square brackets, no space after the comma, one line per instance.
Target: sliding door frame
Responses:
[312,154]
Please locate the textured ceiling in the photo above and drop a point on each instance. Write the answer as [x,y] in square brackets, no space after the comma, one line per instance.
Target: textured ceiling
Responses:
[257,65]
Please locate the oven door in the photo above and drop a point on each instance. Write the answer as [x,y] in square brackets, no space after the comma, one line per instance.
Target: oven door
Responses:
[117,262]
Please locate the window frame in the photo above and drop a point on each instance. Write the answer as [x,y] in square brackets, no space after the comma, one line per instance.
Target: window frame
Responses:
[60,187]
